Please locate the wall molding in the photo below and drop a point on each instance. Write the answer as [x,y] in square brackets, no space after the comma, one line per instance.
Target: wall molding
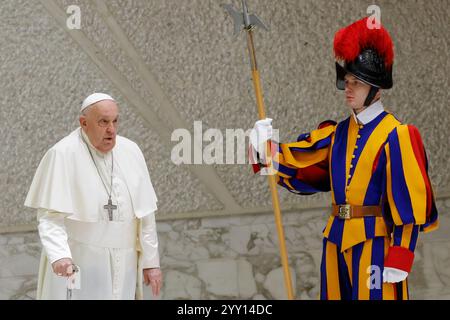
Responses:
[32,227]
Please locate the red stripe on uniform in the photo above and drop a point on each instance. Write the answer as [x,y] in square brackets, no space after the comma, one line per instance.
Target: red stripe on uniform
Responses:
[418,148]
[316,175]
[377,158]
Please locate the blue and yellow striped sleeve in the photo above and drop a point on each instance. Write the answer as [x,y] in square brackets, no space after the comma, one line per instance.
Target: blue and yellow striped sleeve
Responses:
[302,166]
[408,187]
[409,194]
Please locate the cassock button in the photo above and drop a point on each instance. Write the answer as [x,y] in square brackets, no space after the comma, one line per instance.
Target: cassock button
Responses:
[356,147]
[358,136]
[351,166]
[349,176]
[361,126]
[353,156]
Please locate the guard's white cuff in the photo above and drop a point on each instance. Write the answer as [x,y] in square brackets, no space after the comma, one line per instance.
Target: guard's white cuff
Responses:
[393,275]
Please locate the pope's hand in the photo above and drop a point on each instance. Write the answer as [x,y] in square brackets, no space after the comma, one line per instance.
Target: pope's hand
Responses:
[63,267]
[262,131]
[153,277]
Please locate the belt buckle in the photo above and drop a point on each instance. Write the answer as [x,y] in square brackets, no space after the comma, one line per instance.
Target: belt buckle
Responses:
[344,211]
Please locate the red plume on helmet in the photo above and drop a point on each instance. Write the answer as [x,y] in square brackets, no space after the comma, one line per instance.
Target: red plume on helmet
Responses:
[350,41]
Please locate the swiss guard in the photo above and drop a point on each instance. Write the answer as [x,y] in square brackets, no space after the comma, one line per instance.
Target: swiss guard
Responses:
[374,165]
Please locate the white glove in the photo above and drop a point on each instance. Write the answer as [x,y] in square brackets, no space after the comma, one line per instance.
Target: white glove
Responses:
[393,275]
[261,132]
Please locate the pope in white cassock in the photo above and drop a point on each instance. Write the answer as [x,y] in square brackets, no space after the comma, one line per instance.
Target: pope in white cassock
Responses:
[96,211]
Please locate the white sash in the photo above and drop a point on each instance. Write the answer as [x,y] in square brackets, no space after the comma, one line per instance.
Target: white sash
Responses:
[107,234]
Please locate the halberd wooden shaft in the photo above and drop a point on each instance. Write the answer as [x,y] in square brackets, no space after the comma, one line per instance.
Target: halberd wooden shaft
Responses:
[271,176]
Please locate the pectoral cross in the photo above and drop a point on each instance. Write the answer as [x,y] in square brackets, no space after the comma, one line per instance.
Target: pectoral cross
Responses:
[110,207]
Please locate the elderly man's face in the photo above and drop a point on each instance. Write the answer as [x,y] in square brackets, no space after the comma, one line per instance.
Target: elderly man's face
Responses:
[100,124]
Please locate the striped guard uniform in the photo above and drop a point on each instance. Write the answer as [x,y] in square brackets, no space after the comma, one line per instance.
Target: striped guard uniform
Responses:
[382,162]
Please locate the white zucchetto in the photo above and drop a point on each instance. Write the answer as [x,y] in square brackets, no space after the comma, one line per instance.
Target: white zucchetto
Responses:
[94,98]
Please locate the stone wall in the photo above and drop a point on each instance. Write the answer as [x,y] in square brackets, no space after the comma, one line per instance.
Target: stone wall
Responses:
[238,258]
[199,71]
[169,63]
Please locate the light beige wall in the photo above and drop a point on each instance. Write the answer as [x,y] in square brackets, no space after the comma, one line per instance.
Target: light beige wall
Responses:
[170,63]
[188,67]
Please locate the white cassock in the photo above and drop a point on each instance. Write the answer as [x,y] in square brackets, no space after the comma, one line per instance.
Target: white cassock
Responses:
[69,195]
